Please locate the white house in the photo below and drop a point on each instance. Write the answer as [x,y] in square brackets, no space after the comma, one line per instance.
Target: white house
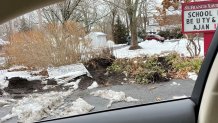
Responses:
[98,39]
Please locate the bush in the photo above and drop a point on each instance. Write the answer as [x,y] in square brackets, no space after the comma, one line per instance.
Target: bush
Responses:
[120,32]
[54,45]
[175,33]
[165,34]
[156,68]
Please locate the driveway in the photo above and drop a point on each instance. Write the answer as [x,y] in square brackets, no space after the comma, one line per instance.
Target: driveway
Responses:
[145,93]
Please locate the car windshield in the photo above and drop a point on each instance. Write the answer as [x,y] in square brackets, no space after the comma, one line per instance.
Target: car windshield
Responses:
[77,57]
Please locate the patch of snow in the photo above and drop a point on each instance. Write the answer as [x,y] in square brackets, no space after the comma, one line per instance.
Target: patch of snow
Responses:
[79,106]
[113,96]
[110,43]
[179,97]
[75,85]
[130,99]
[15,68]
[37,106]
[192,75]
[175,84]
[5,75]
[46,87]
[3,102]
[7,117]
[154,47]
[72,71]
[21,74]
[94,85]
[2,42]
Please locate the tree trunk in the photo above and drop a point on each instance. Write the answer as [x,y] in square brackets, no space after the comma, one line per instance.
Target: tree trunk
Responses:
[134,42]
[131,8]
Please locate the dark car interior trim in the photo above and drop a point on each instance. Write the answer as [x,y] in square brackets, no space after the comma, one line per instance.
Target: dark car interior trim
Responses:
[179,111]
[204,72]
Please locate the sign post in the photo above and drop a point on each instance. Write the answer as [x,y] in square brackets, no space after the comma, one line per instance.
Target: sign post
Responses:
[200,17]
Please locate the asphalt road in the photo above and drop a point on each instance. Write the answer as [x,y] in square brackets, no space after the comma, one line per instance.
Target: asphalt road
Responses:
[145,93]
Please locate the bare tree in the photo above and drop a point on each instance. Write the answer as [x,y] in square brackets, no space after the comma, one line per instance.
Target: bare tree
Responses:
[132,7]
[62,12]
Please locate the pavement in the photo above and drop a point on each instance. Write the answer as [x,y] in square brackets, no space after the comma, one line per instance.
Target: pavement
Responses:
[145,93]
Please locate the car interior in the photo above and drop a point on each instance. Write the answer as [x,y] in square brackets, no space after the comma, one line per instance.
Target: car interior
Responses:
[201,107]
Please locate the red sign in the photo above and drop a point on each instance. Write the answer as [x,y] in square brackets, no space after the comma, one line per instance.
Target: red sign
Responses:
[199,17]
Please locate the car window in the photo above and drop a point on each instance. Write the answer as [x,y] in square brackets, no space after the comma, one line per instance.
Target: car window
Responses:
[74,57]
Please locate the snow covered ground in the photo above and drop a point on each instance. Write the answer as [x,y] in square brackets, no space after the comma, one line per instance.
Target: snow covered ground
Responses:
[154,47]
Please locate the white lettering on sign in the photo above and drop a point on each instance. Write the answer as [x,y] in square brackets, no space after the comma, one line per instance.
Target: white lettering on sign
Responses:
[200,20]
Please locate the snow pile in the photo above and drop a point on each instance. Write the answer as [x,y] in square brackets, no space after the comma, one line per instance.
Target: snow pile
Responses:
[79,106]
[75,85]
[65,73]
[5,75]
[192,75]
[94,85]
[62,75]
[154,47]
[37,106]
[175,84]
[22,74]
[113,96]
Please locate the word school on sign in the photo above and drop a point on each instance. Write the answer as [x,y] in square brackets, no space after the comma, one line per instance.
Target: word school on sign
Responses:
[199,14]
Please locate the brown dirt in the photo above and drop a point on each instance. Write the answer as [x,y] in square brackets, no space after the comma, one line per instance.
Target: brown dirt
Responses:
[1,92]
[19,85]
[98,69]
